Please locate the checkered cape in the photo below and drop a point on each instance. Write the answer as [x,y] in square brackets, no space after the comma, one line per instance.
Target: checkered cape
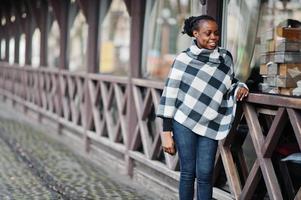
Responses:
[199,92]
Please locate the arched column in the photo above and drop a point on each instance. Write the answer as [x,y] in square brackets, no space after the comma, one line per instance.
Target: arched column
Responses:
[29,27]
[6,44]
[61,12]
[93,33]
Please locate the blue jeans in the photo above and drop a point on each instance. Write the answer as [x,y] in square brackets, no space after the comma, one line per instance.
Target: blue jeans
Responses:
[197,156]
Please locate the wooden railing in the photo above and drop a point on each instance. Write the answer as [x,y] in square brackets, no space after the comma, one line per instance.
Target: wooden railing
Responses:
[248,164]
[108,100]
[272,121]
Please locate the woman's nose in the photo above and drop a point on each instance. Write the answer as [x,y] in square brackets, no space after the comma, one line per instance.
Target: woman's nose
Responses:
[213,36]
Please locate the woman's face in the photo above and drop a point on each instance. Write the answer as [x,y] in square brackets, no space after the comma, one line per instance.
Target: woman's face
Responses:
[207,35]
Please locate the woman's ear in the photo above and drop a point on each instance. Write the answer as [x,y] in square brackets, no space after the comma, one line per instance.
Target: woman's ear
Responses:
[195,34]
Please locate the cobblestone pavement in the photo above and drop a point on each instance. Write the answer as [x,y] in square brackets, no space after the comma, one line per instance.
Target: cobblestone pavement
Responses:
[34,166]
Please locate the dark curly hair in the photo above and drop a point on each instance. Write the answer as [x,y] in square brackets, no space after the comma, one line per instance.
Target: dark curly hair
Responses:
[192,23]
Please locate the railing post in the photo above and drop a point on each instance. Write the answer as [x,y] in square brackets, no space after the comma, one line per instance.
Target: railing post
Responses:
[59,107]
[40,115]
[92,17]
[24,82]
[87,115]
[137,8]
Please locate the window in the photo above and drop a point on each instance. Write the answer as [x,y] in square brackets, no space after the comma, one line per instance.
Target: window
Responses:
[36,43]
[11,51]
[242,22]
[261,49]
[115,40]
[22,50]
[3,46]
[78,43]
[54,45]
[163,40]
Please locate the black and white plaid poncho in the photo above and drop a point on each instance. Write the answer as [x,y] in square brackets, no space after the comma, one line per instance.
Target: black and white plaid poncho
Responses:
[200,91]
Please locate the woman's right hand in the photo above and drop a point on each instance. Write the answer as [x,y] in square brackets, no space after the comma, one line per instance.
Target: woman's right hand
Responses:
[168,143]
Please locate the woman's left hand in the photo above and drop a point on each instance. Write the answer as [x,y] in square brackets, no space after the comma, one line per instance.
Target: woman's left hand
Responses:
[242,93]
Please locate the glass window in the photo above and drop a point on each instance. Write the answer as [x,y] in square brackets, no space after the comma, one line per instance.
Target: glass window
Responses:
[11,51]
[36,43]
[3,46]
[54,45]
[163,40]
[22,50]
[242,22]
[265,40]
[115,40]
[78,43]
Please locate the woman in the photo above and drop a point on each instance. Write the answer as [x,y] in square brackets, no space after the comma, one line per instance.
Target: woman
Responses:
[198,105]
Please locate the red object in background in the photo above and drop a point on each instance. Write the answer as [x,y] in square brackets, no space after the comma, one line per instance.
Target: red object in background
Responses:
[287,149]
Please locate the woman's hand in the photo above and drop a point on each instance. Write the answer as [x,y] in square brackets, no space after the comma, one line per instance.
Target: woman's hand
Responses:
[242,93]
[168,143]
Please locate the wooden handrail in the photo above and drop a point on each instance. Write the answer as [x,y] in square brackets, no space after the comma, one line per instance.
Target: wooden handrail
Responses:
[51,91]
[275,100]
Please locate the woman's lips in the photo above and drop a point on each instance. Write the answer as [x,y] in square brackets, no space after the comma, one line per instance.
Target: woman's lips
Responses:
[212,44]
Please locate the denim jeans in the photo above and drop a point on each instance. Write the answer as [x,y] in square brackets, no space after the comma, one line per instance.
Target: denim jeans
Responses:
[197,156]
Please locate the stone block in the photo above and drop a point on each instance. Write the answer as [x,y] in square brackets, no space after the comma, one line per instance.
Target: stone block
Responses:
[285,45]
[263,70]
[293,34]
[272,68]
[285,82]
[290,70]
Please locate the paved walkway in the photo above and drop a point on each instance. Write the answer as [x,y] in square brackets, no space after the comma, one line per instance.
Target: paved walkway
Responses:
[34,166]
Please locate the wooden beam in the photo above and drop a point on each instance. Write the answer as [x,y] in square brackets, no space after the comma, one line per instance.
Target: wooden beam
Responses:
[93,39]
[73,12]
[61,12]
[17,45]
[128,6]
[1,37]
[18,30]
[44,23]
[34,11]
[137,8]
[295,118]
[238,115]
[274,133]
[270,178]
[258,140]
[254,127]
[298,195]
[28,39]
[64,36]
[251,183]
[5,14]
[84,6]
[231,170]
[39,13]
[275,100]
[287,181]
[23,9]
[57,10]
[6,44]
